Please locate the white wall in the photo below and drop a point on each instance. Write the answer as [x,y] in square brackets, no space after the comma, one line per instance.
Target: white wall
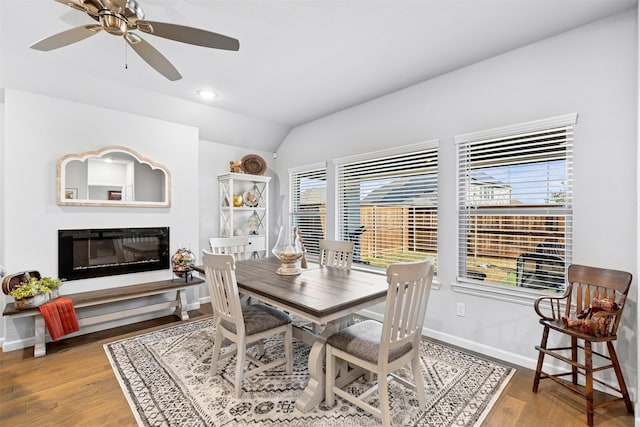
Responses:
[592,71]
[637,412]
[2,185]
[214,160]
[37,131]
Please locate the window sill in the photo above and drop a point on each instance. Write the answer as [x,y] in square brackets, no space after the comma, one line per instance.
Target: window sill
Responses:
[512,295]
[435,285]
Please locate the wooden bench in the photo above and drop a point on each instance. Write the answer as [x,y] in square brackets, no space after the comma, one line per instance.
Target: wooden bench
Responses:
[109,296]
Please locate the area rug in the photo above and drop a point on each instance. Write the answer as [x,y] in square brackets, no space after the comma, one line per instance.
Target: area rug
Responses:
[165,376]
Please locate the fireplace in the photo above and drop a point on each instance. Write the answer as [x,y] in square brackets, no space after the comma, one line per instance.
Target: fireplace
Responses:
[98,252]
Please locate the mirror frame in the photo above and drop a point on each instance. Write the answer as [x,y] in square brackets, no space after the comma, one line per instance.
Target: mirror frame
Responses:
[61,179]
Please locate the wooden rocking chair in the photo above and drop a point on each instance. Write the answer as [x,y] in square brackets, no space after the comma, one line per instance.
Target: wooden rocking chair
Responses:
[585,283]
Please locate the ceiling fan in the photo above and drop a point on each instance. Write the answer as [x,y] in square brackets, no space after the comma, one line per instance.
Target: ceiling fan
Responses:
[120,18]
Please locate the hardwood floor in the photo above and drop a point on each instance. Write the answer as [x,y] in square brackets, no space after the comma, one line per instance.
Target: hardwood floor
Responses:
[74,386]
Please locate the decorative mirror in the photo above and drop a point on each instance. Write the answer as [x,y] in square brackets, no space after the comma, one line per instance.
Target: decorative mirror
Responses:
[112,176]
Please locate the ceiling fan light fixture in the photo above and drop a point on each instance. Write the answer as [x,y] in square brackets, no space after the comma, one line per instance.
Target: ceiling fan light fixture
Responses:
[113,23]
[207,94]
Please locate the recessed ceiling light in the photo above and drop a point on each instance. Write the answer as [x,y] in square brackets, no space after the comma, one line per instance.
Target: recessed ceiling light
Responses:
[207,94]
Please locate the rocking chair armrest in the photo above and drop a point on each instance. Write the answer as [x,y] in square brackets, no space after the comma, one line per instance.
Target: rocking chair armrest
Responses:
[554,303]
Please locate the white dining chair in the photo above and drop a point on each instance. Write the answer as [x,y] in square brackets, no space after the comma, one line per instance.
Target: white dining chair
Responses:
[238,246]
[383,348]
[245,325]
[336,253]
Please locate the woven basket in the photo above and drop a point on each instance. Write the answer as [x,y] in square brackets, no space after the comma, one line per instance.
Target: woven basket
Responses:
[12,281]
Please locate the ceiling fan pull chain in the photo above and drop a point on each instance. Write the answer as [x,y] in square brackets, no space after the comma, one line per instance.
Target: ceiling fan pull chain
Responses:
[126,58]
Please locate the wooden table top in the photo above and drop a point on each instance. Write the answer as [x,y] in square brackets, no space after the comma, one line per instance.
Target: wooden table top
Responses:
[319,292]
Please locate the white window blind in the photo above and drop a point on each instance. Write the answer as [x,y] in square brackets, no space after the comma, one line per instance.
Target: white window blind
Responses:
[307,204]
[387,204]
[515,204]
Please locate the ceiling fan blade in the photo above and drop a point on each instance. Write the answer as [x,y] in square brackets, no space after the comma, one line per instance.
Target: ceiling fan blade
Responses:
[74,19]
[152,57]
[82,6]
[188,35]
[66,37]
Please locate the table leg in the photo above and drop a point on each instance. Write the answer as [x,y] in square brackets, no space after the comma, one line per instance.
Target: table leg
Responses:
[40,335]
[181,308]
[313,394]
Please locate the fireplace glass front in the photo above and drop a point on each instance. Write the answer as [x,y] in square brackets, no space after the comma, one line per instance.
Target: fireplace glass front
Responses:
[88,253]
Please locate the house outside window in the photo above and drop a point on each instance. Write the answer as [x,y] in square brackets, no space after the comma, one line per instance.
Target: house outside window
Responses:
[515,204]
[308,204]
[387,204]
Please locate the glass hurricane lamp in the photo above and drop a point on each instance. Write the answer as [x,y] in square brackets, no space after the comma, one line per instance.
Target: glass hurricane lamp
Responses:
[290,251]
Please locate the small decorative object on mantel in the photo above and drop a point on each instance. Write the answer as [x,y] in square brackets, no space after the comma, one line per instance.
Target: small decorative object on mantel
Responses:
[182,263]
[290,252]
[30,290]
[253,164]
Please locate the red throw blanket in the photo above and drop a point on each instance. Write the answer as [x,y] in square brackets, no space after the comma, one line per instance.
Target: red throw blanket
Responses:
[60,317]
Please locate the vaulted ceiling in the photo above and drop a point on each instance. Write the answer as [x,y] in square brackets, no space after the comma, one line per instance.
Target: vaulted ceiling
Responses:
[298,60]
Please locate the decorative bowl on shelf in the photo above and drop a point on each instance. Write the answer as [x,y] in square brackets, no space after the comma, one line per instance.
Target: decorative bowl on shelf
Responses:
[253,164]
[182,262]
[238,200]
[250,199]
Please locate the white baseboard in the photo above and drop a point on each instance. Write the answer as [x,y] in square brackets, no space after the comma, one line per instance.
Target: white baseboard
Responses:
[18,344]
[468,344]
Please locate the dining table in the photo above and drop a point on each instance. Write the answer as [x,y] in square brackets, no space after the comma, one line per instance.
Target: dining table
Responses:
[326,297]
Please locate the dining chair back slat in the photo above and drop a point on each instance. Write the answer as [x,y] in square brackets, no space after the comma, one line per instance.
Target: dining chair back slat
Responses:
[224,290]
[407,298]
[238,246]
[336,253]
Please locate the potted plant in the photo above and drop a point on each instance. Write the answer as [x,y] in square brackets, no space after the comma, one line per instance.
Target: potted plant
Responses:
[34,291]
[53,284]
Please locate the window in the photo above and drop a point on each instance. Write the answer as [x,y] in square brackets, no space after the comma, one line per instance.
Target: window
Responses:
[515,204]
[307,204]
[387,204]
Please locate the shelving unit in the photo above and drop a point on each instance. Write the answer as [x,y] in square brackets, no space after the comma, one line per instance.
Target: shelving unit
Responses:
[251,216]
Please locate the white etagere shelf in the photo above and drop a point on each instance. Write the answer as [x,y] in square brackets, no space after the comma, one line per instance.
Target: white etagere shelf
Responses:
[244,203]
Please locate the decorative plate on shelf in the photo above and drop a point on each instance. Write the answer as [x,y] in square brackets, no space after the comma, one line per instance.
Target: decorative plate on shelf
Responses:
[253,164]
[250,199]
